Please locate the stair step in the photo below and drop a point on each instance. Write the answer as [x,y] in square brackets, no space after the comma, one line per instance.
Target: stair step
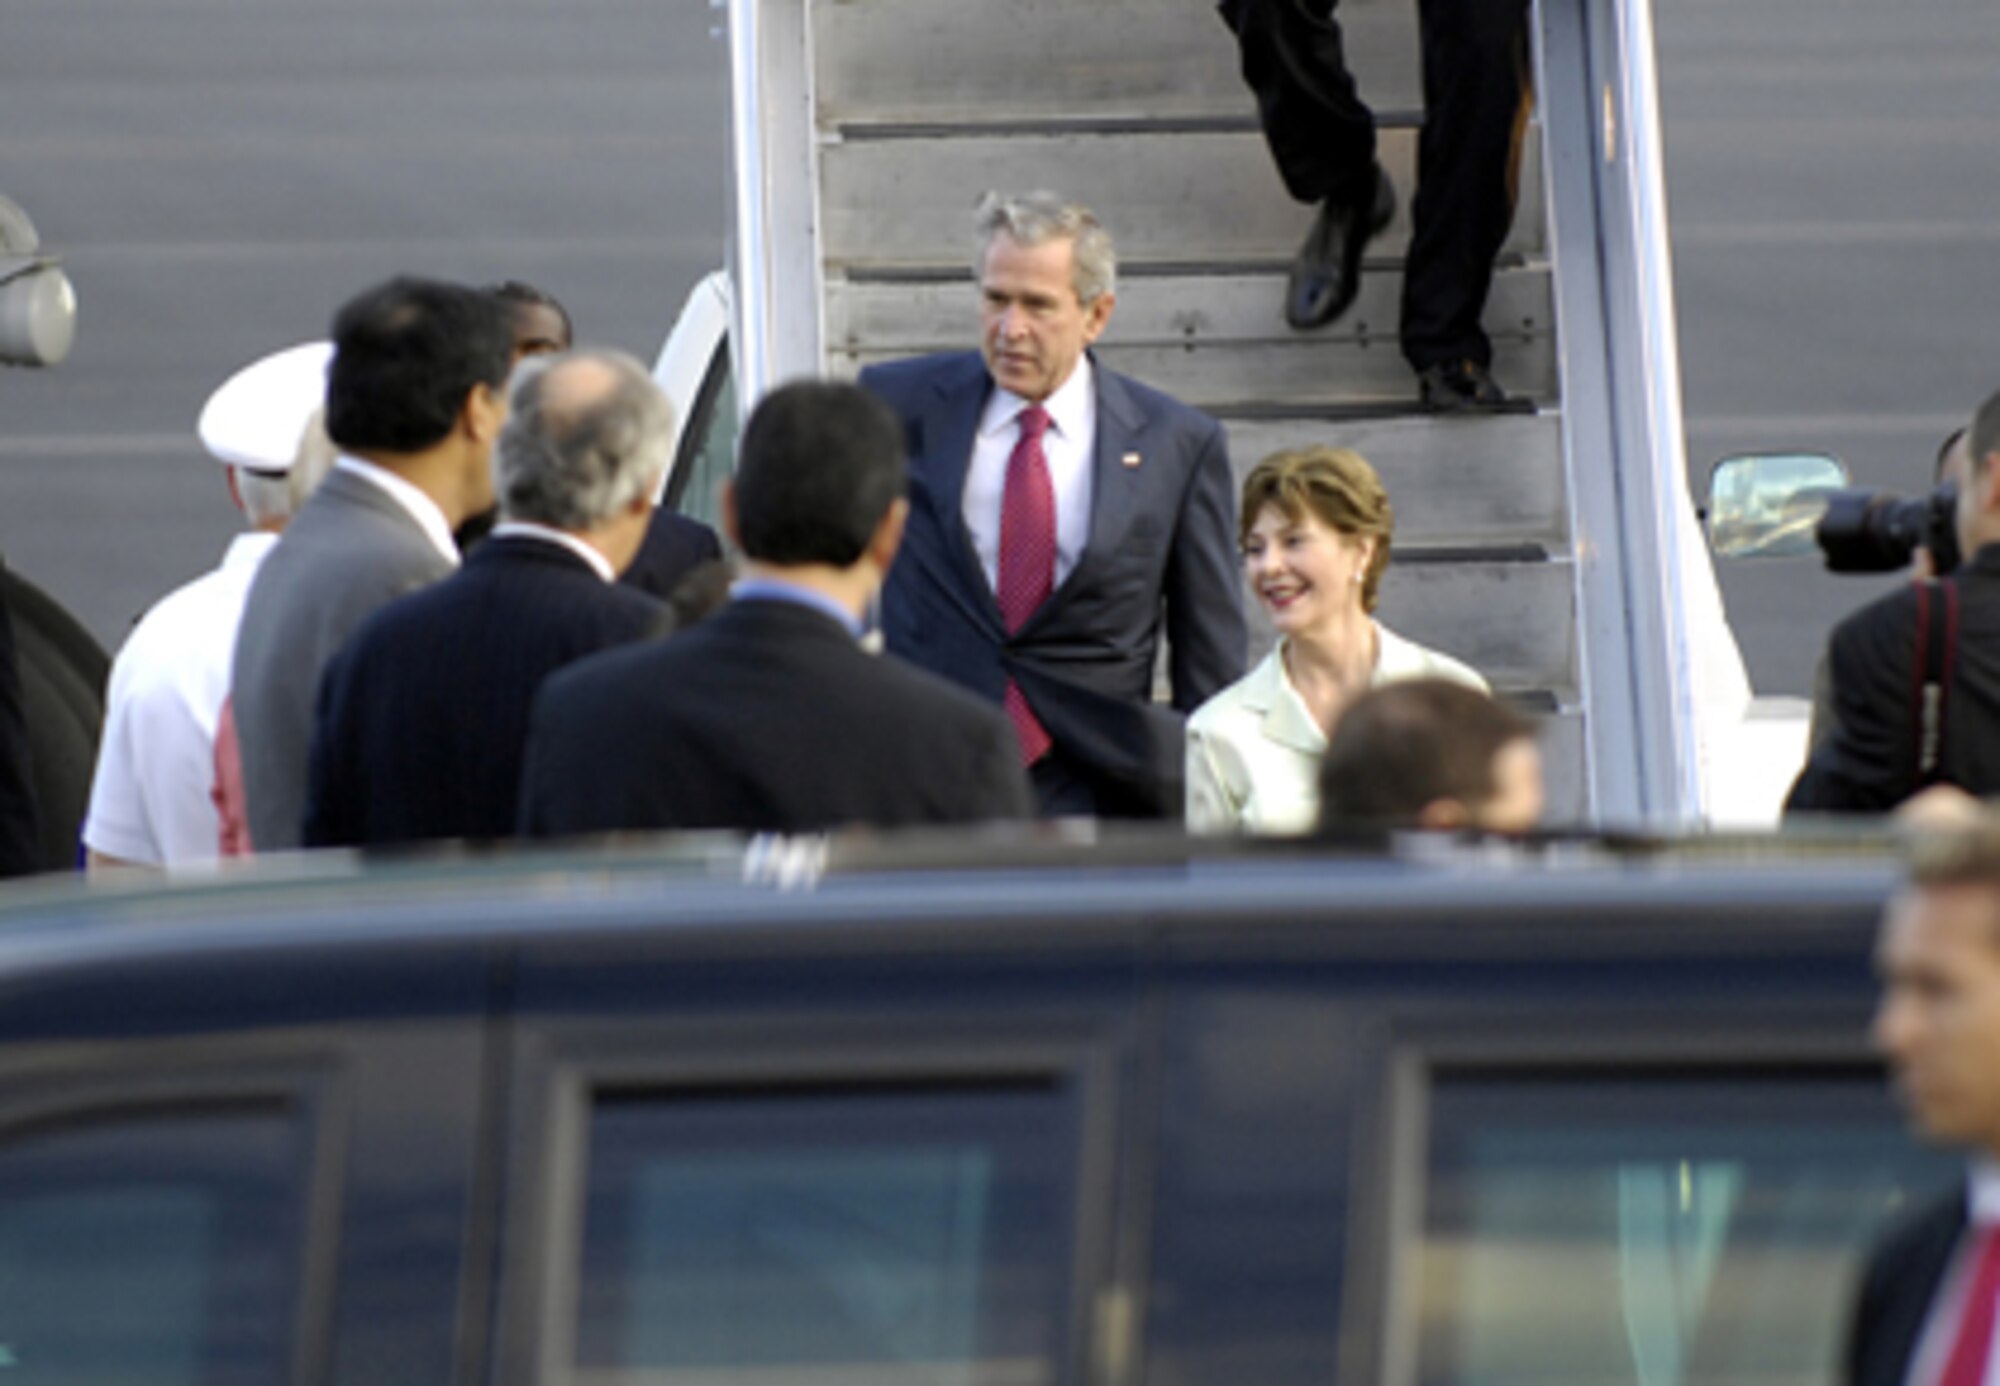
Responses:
[906,59]
[1166,195]
[1219,338]
[1451,481]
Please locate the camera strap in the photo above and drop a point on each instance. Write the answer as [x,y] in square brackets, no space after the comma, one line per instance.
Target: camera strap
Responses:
[1937,650]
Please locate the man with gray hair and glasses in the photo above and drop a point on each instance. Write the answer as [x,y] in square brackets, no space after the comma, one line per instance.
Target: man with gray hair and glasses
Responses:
[423,715]
[1062,518]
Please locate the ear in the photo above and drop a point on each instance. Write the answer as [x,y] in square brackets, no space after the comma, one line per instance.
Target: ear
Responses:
[887,539]
[484,411]
[1986,477]
[728,515]
[235,490]
[1096,314]
[1444,815]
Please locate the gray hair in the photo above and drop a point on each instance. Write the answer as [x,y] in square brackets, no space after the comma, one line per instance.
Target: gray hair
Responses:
[274,497]
[572,453]
[1032,218]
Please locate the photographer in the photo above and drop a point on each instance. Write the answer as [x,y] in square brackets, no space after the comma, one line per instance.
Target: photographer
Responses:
[1914,677]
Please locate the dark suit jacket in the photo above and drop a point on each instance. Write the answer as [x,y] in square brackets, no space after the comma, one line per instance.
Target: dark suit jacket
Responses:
[674,547]
[1162,534]
[766,717]
[1866,761]
[422,715]
[1902,1276]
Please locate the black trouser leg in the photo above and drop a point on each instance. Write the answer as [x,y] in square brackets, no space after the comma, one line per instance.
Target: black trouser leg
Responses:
[1476,97]
[1321,133]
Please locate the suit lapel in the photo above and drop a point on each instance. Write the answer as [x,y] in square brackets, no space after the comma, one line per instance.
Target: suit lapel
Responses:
[1114,482]
[944,455]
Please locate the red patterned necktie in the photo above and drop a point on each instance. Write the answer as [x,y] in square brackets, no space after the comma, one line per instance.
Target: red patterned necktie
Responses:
[1973,1344]
[1027,558]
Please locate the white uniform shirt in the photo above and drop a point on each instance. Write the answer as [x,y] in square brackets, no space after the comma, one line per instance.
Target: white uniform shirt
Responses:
[1253,750]
[1068,447]
[149,800]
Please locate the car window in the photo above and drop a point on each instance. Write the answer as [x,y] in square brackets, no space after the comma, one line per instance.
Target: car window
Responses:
[876,1234]
[150,1249]
[1653,1229]
[708,445]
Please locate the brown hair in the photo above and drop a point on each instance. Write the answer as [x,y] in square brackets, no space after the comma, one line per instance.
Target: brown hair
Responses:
[1405,744]
[1335,486]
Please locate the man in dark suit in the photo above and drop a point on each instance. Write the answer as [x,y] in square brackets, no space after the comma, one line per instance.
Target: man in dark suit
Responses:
[1057,509]
[414,400]
[423,713]
[769,715]
[1867,759]
[1927,1304]
[675,545]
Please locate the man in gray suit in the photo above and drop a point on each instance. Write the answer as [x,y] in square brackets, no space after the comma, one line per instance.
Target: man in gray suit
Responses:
[415,397]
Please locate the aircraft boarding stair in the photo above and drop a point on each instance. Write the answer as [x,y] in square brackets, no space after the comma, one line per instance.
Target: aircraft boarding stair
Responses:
[913,108]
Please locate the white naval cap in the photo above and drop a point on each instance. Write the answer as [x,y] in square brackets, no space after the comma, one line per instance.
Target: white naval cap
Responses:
[256,418]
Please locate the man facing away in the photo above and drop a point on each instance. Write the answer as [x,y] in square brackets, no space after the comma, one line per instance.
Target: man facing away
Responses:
[769,716]
[150,801]
[423,713]
[1430,753]
[415,399]
[1057,510]
[1926,1309]
[676,545]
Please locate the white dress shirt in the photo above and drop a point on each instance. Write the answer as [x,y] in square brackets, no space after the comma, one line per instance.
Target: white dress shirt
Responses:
[149,797]
[1253,750]
[1069,447]
[428,514]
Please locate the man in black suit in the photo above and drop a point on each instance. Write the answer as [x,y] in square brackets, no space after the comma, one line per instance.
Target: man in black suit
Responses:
[675,545]
[1868,759]
[1926,1309]
[1063,517]
[422,716]
[769,716]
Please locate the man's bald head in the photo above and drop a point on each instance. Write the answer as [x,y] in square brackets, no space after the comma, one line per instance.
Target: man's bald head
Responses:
[589,433]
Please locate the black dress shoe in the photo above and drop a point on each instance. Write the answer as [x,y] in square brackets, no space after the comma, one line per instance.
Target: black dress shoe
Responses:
[1326,275]
[1460,387]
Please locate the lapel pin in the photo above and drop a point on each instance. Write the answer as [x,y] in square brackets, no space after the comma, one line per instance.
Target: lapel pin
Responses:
[1130,459]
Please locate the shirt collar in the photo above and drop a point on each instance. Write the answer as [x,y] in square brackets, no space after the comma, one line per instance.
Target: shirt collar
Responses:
[772,589]
[1984,1204]
[428,514]
[1068,408]
[248,548]
[1287,719]
[528,529]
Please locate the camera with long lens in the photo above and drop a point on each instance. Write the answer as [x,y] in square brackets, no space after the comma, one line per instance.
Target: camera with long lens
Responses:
[1875,532]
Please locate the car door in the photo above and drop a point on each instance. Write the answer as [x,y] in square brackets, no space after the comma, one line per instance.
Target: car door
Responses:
[886,1151]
